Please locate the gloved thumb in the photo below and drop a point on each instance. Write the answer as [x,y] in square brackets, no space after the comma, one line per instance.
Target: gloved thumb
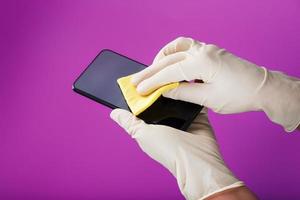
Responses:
[191,92]
[130,123]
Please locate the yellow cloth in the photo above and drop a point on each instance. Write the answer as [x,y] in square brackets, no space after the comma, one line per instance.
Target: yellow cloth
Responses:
[136,102]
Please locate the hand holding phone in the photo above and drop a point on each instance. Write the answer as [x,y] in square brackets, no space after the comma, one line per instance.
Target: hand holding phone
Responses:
[99,83]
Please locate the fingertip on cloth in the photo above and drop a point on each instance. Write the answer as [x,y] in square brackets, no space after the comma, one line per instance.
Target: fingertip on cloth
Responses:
[139,103]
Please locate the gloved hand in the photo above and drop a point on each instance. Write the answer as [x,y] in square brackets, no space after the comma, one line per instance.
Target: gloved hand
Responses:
[231,84]
[192,157]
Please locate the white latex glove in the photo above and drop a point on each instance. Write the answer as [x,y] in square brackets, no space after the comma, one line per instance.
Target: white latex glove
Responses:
[192,157]
[231,84]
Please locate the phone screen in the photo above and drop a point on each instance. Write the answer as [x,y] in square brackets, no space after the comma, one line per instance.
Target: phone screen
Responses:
[99,82]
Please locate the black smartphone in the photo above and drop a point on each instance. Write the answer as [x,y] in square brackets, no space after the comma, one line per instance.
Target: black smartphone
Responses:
[99,83]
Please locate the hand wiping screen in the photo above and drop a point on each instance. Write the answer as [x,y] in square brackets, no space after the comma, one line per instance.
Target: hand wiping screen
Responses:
[136,102]
[99,83]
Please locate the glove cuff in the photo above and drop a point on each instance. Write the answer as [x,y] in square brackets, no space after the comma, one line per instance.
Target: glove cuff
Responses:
[279,98]
[234,185]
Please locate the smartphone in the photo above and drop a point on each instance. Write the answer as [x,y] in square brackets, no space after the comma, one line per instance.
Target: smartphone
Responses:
[99,83]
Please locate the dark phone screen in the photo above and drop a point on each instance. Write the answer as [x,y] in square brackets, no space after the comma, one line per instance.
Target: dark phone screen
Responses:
[100,78]
[99,82]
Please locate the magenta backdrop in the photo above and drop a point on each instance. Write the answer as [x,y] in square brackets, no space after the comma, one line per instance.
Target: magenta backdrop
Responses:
[55,144]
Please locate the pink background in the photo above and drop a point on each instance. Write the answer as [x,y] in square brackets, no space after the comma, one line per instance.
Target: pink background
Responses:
[55,144]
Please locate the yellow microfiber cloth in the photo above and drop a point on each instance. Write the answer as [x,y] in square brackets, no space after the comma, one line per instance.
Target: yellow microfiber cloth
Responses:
[136,102]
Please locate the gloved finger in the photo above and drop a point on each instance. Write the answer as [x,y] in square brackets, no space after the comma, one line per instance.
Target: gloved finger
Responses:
[154,68]
[178,45]
[170,74]
[130,123]
[197,93]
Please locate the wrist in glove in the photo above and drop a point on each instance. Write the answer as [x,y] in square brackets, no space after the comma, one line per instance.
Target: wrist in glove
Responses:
[279,98]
